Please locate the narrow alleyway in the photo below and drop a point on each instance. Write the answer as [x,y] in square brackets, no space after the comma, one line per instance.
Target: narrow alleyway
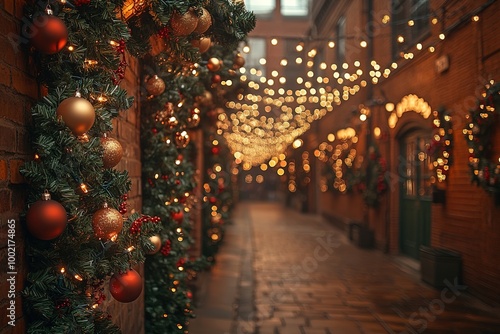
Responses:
[282,272]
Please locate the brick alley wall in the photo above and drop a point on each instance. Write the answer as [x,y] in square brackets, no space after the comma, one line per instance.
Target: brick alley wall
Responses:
[19,91]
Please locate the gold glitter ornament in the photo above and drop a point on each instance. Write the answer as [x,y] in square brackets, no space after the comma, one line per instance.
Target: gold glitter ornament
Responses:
[112,152]
[184,24]
[155,85]
[107,223]
[204,22]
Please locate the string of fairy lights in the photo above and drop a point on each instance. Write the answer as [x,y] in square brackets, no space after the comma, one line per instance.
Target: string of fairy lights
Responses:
[265,121]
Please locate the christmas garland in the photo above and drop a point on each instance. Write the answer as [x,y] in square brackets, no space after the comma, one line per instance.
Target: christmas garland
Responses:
[373,180]
[82,60]
[441,145]
[340,171]
[170,112]
[79,234]
[483,120]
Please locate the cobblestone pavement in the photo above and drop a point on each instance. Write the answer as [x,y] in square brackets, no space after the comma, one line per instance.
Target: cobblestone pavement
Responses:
[306,278]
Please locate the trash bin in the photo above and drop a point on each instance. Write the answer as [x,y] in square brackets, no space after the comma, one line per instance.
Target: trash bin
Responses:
[438,265]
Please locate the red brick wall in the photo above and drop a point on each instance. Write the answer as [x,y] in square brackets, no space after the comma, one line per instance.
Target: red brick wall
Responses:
[18,92]
[468,222]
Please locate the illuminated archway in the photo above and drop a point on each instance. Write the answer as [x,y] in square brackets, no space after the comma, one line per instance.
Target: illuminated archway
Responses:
[409,102]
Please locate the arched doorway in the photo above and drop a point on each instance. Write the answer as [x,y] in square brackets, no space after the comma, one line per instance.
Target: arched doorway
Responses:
[415,193]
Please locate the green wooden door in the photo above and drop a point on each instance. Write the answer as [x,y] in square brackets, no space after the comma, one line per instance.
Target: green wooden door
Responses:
[416,192]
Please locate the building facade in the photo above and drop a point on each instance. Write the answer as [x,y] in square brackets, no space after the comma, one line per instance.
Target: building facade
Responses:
[425,66]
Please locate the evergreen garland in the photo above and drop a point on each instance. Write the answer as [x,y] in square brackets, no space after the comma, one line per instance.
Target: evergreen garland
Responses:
[67,275]
[441,145]
[483,120]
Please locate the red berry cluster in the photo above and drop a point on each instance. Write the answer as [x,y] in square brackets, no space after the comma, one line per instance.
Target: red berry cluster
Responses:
[81,2]
[135,228]
[163,33]
[167,247]
[123,205]
[63,303]
[181,262]
[120,71]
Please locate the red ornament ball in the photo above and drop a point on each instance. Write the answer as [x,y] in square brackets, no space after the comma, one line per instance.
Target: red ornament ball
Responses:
[49,34]
[178,217]
[126,287]
[215,150]
[216,79]
[46,219]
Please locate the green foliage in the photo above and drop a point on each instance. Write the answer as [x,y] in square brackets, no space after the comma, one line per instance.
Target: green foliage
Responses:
[483,120]
[67,275]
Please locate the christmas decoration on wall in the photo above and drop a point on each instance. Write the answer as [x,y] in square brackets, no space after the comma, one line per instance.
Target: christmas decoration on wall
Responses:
[203,44]
[107,223]
[50,35]
[77,113]
[155,85]
[156,242]
[126,287]
[185,23]
[112,151]
[46,219]
[214,64]
[238,61]
[374,182]
[204,22]
[441,145]
[78,245]
[482,122]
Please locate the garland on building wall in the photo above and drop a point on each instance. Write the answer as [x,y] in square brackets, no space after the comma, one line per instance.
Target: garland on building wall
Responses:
[340,171]
[177,99]
[373,179]
[441,145]
[483,120]
[79,233]
[80,236]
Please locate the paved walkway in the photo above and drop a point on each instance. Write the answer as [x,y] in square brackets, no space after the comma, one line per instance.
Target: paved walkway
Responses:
[281,272]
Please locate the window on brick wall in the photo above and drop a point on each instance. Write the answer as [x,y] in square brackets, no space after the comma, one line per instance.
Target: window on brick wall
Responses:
[295,7]
[341,41]
[293,69]
[257,52]
[410,21]
[261,7]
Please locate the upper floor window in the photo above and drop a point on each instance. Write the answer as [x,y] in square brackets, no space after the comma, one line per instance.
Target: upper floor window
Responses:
[410,22]
[294,7]
[260,7]
[341,41]
[257,52]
